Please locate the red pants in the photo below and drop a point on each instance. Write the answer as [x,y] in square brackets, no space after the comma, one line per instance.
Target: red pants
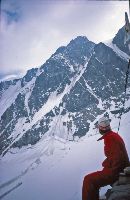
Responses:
[92,182]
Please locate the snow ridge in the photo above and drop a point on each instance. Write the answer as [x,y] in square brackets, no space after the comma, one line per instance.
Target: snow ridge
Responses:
[120,53]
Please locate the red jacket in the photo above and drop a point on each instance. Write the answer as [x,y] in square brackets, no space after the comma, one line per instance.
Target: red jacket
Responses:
[115,151]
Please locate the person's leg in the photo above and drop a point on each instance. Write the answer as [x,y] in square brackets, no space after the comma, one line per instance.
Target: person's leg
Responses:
[92,182]
[89,191]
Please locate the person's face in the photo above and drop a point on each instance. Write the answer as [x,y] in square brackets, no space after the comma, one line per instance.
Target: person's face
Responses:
[102,132]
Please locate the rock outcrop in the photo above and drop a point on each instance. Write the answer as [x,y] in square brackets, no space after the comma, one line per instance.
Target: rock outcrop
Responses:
[121,188]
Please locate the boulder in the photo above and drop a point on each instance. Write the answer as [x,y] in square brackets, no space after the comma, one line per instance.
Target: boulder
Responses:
[121,188]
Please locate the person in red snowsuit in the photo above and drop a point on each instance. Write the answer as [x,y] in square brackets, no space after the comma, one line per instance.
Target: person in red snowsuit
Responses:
[116,160]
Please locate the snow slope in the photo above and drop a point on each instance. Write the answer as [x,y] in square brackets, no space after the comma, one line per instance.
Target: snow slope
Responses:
[54,169]
[114,47]
[8,97]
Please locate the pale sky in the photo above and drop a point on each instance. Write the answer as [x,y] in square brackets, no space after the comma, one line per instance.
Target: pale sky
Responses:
[32,30]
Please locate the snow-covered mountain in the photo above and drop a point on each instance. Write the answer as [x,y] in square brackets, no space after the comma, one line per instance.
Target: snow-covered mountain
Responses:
[46,113]
[66,94]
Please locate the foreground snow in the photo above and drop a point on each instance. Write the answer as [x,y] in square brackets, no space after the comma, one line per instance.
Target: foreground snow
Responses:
[54,169]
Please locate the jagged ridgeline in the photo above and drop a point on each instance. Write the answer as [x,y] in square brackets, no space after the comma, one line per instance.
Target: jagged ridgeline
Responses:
[76,84]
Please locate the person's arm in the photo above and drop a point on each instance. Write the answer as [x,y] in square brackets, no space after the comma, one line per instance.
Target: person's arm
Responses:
[106,163]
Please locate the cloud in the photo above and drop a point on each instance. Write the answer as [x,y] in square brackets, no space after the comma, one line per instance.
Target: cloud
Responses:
[32,30]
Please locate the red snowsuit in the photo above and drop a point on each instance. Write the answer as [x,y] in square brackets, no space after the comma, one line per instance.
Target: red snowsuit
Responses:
[116,160]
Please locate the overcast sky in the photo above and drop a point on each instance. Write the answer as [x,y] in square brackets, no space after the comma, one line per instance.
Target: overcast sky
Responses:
[31,30]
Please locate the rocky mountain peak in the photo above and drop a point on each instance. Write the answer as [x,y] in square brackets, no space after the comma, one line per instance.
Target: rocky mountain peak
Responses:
[77,83]
[119,41]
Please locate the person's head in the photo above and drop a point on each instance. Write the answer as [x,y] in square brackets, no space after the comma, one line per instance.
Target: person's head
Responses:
[104,125]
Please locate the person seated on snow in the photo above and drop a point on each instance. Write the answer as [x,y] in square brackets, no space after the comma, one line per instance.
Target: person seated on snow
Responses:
[116,160]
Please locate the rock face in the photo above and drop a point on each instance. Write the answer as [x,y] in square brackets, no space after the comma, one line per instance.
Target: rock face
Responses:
[121,189]
[120,192]
[76,84]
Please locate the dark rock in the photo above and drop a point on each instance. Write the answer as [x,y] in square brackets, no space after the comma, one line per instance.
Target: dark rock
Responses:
[121,189]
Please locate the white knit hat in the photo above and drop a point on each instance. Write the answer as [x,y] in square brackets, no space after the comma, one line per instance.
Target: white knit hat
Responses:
[104,123]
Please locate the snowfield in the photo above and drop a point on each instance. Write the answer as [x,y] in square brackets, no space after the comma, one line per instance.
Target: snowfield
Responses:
[54,169]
